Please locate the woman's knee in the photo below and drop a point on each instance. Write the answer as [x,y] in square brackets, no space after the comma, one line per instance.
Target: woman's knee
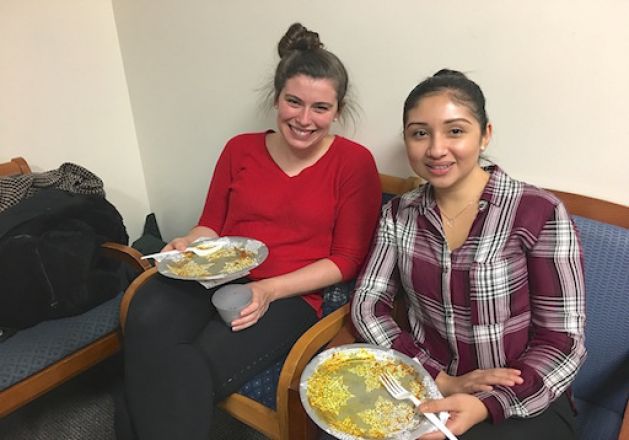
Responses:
[147,308]
[161,304]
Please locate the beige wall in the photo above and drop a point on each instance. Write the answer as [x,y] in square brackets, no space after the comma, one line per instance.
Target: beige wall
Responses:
[554,74]
[63,96]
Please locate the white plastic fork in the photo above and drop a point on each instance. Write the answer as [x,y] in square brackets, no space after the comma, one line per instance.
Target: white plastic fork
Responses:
[398,392]
[200,252]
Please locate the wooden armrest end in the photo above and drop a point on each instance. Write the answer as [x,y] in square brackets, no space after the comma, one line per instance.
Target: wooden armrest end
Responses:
[126,254]
[14,167]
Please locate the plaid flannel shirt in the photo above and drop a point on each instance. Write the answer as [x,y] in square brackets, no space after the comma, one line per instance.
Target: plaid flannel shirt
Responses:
[511,296]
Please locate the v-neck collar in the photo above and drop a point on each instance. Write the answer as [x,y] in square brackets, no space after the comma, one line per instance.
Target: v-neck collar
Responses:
[281,171]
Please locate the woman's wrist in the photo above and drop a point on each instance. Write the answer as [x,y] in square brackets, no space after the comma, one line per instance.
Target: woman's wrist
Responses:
[481,410]
[270,287]
[443,381]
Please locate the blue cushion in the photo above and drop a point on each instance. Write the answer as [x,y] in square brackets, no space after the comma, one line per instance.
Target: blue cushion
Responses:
[596,423]
[263,387]
[35,348]
[602,385]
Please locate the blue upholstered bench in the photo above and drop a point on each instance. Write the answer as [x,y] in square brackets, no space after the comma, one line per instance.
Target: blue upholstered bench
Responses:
[37,359]
[34,349]
[601,388]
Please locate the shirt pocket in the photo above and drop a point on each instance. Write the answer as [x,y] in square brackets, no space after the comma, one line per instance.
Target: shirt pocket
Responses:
[490,292]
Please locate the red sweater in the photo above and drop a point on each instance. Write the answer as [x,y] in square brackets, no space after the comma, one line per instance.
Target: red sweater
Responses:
[329,210]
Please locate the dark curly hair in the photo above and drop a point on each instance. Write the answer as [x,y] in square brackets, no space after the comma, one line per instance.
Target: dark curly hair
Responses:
[302,53]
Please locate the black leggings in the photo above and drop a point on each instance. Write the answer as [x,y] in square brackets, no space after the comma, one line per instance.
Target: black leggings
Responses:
[181,358]
[557,422]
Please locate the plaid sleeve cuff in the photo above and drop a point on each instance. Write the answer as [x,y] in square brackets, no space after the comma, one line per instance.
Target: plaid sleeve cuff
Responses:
[496,412]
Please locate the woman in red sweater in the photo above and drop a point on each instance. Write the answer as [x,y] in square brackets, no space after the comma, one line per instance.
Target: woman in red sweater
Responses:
[312,197]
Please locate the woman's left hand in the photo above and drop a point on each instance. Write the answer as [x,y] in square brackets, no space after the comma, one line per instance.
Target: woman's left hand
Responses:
[262,297]
[465,411]
[478,380]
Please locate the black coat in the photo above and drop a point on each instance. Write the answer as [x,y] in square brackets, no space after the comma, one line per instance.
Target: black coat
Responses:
[50,259]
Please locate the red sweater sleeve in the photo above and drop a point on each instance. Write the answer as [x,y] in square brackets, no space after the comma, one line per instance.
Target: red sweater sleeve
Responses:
[359,207]
[217,200]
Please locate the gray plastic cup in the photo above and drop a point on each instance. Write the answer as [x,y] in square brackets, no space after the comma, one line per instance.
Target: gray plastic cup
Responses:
[229,300]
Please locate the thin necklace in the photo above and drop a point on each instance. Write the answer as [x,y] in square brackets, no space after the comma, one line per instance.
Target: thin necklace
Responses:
[449,221]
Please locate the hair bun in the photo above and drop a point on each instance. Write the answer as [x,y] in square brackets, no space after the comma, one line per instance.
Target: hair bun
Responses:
[297,37]
[449,72]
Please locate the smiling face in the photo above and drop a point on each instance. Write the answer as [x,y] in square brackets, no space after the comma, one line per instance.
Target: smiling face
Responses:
[306,108]
[443,141]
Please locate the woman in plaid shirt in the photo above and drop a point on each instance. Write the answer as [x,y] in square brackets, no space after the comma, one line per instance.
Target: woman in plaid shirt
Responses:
[491,269]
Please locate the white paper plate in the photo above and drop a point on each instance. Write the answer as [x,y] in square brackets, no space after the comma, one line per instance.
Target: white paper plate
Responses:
[213,266]
[420,424]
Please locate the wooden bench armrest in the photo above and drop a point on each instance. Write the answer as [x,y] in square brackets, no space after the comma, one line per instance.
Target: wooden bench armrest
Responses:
[595,209]
[15,167]
[306,347]
[346,335]
[127,254]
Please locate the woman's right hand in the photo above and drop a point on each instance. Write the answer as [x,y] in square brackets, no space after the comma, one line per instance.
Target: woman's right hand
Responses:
[465,412]
[181,243]
[478,380]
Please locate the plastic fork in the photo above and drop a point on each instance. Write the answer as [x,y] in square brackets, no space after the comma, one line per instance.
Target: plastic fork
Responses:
[398,392]
[198,251]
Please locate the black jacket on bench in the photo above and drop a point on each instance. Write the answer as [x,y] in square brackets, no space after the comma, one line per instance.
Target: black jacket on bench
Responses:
[50,259]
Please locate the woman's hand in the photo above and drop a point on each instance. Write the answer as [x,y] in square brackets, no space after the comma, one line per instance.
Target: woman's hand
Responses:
[478,380]
[263,295]
[310,278]
[465,411]
[181,243]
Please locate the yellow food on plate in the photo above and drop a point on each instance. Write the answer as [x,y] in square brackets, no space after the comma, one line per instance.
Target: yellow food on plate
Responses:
[229,259]
[328,393]
[189,268]
[387,417]
[346,392]
[243,260]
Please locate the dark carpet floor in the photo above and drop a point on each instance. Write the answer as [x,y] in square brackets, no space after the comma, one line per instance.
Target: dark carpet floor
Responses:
[83,409]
